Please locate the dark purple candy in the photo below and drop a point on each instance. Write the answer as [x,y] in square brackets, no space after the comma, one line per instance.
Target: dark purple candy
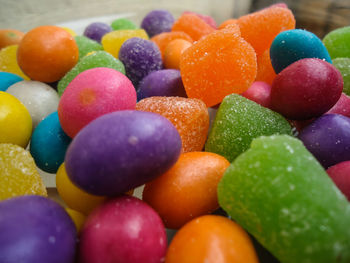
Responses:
[165,82]
[97,30]
[328,139]
[157,21]
[122,150]
[140,57]
[34,229]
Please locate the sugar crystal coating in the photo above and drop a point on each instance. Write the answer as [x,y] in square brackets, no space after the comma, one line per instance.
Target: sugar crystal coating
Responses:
[343,65]
[86,45]
[337,42]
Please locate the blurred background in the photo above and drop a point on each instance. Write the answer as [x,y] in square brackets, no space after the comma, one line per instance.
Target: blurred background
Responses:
[318,16]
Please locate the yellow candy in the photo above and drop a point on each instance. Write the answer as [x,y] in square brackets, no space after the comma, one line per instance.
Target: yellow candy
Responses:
[73,196]
[18,173]
[8,61]
[112,41]
[15,121]
[70,31]
[77,217]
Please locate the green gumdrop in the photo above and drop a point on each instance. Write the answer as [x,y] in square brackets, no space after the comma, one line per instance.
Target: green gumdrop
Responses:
[337,42]
[123,24]
[343,65]
[86,45]
[95,60]
[238,121]
[279,193]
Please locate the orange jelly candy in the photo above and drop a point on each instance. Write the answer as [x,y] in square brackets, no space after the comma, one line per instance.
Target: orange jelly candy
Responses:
[266,72]
[261,27]
[189,116]
[227,22]
[219,64]
[192,25]
[173,51]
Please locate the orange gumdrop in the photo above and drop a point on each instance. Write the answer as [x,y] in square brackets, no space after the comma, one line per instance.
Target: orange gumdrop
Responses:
[163,39]
[227,22]
[211,239]
[189,116]
[10,37]
[173,51]
[188,189]
[192,25]
[266,72]
[261,27]
[217,65]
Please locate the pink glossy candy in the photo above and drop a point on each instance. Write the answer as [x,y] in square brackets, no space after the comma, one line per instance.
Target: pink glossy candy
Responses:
[340,174]
[259,92]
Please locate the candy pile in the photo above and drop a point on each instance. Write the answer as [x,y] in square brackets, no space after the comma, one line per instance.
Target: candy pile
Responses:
[249,118]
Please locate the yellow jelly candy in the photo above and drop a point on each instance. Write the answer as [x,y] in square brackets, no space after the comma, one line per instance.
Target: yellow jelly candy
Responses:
[18,173]
[77,217]
[70,31]
[15,121]
[112,41]
[73,196]
[8,61]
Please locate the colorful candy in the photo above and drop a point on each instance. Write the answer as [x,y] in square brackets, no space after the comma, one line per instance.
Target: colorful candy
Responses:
[259,92]
[340,174]
[8,61]
[7,79]
[337,42]
[10,37]
[96,31]
[343,65]
[86,45]
[157,21]
[173,52]
[123,24]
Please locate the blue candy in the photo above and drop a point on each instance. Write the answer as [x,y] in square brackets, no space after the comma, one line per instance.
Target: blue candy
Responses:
[49,144]
[292,45]
[7,79]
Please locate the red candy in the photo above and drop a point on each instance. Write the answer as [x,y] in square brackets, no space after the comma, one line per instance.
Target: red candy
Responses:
[340,174]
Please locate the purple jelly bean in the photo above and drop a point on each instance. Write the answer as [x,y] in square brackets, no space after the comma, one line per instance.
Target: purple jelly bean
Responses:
[97,30]
[157,21]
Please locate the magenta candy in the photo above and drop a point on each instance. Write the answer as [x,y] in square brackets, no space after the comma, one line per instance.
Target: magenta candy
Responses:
[123,230]
[260,92]
[342,106]
[94,93]
[340,174]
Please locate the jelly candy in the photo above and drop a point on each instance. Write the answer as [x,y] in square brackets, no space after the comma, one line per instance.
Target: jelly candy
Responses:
[227,22]
[123,24]
[7,79]
[189,116]
[207,19]
[343,65]
[8,61]
[157,21]
[337,42]
[96,31]
[238,121]
[265,72]
[18,173]
[173,52]
[280,194]
[86,45]
[10,37]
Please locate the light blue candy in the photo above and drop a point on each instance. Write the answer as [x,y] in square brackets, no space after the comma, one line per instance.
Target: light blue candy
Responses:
[7,79]
[292,45]
[49,144]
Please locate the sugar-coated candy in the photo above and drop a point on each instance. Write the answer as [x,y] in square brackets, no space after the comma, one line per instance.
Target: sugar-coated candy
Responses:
[340,174]
[123,24]
[18,173]
[305,89]
[77,217]
[10,37]
[207,19]
[210,73]
[173,52]
[39,98]
[124,229]
[157,21]
[261,27]
[265,71]
[343,65]
[227,22]
[87,97]
[74,197]
[328,139]
[112,41]
[292,45]
[8,61]
[46,53]
[123,150]
[281,195]
[7,79]
[96,31]
[259,92]
[165,82]
[86,45]
[193,180]
[337,42]
[15,121]
[240,120]
[140,57]
[95,60]
[342,106]
[49,134]
[35,229]
[189,116]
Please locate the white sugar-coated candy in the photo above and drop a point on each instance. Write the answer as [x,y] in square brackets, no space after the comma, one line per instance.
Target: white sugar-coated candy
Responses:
[39,98]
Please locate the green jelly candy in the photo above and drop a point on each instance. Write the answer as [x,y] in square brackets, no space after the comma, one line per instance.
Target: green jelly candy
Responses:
[95,60]
[279,193]
[343,65]
[86,45]
[123,24]
[337,42]
[238,121]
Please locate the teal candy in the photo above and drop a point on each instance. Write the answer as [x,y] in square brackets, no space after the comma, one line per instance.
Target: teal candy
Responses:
[338,42]
[240,120]
[49,143]
[292,45]
[123,24]
[343,65]
[95,60]
[86,45]
[7,79]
